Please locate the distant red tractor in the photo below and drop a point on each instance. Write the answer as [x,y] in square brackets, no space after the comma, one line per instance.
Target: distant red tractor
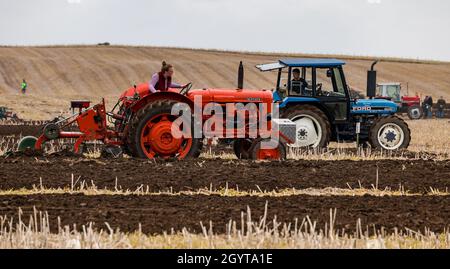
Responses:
[141,124]
[6,114]
[410,105]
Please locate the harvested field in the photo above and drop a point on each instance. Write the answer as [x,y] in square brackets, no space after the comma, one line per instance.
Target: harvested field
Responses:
[371,192]
[340,197]
[161,213]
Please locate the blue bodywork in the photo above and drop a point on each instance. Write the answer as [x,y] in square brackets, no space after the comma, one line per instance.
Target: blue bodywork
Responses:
[359,107]
[373,106]
[293,100]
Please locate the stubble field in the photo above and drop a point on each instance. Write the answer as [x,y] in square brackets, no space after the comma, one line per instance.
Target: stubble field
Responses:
[341,197]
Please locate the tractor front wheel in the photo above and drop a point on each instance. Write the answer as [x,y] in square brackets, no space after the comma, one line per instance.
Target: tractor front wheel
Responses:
[390,133]
[266,149]
[415,112]
[150,135]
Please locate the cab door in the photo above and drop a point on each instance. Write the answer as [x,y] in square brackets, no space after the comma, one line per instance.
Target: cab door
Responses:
[331,89]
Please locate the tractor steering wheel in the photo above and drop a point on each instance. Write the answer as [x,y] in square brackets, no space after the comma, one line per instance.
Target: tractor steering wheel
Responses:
[185,90]
[319,89]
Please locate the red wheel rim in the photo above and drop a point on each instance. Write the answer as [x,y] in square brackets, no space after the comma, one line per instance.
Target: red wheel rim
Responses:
[157,139]
[268,154]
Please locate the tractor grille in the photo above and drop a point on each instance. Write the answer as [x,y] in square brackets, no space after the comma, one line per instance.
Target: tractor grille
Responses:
[287,127]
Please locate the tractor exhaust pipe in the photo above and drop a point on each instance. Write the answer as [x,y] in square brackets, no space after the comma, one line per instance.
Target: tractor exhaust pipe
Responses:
[372,81]
[241,76]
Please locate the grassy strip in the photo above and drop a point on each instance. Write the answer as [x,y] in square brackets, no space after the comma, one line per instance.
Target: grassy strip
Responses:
[246,234]
[92,190]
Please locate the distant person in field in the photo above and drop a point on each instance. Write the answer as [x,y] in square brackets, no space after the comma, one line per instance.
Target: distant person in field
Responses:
[162,81]
[24,86]
[430,107]
[427,107]
[424,107]
[441,104]
[298,83]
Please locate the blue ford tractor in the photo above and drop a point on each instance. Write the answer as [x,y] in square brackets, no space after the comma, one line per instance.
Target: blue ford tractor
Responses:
[315,95]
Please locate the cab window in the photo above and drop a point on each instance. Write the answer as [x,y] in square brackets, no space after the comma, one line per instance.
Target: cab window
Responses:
[329,82]
[340,87]
[301,82]
[282,86]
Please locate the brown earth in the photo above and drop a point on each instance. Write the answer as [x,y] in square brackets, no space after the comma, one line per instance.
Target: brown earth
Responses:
[161,213]
[20,130]
[58,74]
[416,176]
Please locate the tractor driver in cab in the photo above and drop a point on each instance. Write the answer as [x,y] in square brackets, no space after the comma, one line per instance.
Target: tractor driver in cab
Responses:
[162,81]
[299,84]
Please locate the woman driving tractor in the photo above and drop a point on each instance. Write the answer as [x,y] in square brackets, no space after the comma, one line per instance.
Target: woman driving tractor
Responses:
[162,81]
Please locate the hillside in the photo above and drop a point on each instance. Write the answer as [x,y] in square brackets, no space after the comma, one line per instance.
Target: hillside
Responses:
[58,74]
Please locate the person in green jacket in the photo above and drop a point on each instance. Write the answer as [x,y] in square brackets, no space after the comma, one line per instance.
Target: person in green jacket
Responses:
[24,86]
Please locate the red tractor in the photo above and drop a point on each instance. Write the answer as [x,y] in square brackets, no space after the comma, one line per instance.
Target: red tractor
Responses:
[6,114]
[141,124]
[409,105]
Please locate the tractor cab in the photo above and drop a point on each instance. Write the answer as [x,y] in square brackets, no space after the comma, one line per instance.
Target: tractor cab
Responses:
[322,83]
[319,81]
[391,91]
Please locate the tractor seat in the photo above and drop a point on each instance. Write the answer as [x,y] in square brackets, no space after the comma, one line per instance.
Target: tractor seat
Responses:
[80,104]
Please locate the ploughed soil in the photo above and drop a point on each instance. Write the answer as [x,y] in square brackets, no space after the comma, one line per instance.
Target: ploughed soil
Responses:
[30,129]
[417,176]
[164,212]
[23,130]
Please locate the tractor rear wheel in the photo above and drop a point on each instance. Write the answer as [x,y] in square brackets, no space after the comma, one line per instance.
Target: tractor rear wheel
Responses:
[390,133]
[150,135]
[313,126]
[415,112]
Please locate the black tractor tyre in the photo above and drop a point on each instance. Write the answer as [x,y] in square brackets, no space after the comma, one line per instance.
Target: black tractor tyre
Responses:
[139,121]
[294,111]
[415,112]
[379,123]
[241,148]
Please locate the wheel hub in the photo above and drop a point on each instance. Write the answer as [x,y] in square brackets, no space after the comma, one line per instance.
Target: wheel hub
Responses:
[302,134]
[391,136]
[161,139]
[415,113]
